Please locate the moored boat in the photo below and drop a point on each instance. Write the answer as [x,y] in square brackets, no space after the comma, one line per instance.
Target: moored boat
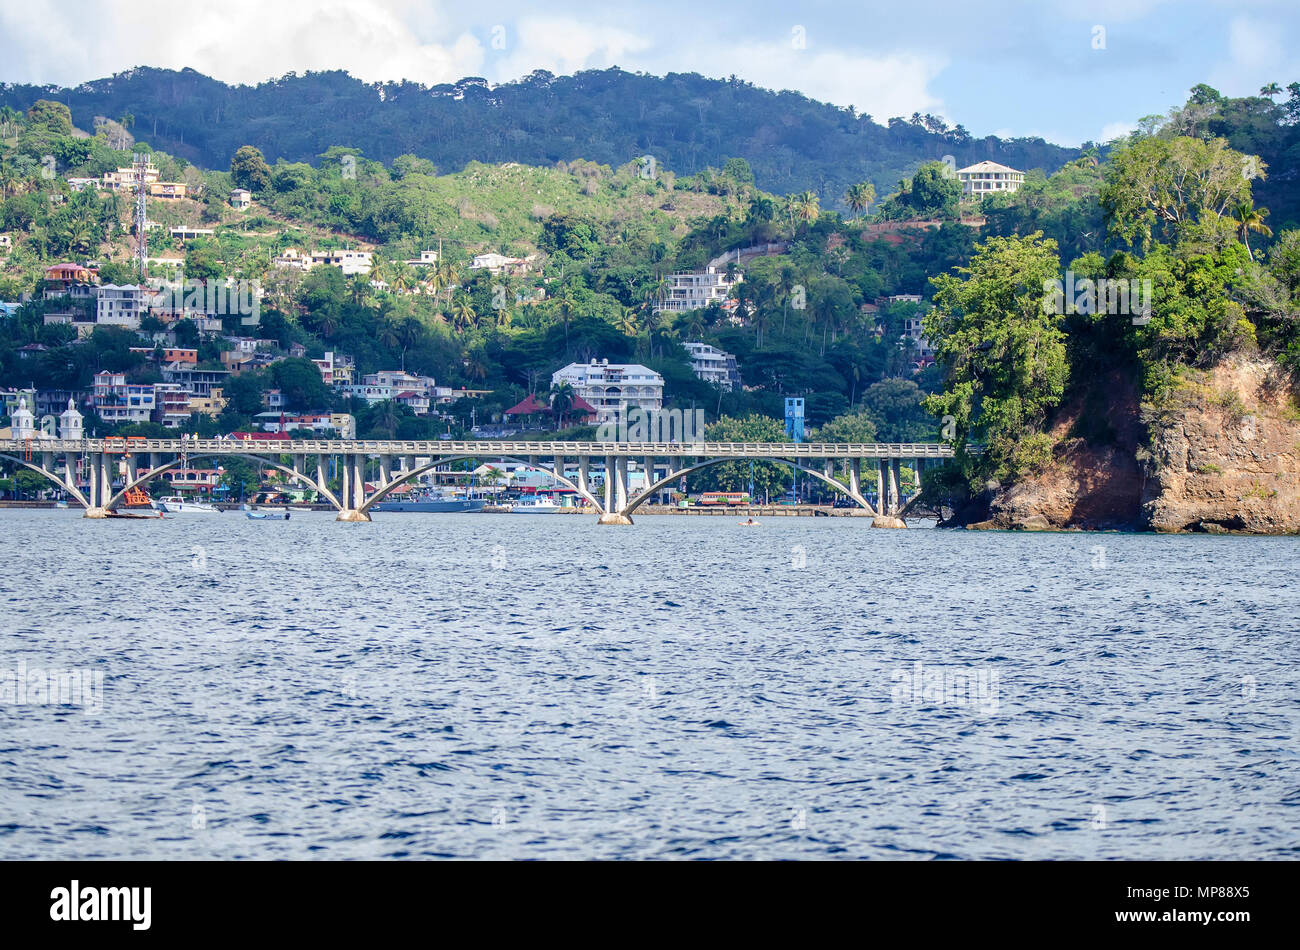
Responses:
[537,505]
[433,501]
[175,505]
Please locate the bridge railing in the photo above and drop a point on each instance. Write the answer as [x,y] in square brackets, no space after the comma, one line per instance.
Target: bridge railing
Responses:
[807,450]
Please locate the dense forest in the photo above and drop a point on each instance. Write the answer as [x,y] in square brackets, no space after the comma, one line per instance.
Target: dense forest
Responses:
[686,121]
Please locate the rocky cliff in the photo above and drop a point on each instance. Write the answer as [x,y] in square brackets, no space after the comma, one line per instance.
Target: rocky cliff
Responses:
[1226,456]
[1222,454]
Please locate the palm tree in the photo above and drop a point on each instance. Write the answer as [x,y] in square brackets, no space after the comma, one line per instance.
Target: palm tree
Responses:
[649,315]
[567,307]
[399,276]
[77,236]
[388,336]
[807,206]
[387,418]
[694,324]
[447,275]
[562,399]
[475,368]
[859,197]
[327,323]
[359,289]
[1270,91]
[8,122]
[8,180]
[463,315]
[435,280]
[1249,218]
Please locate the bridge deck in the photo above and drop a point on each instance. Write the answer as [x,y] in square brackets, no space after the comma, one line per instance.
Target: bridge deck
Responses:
[755,450]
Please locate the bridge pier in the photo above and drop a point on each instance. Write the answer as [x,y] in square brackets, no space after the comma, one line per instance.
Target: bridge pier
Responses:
[889,472]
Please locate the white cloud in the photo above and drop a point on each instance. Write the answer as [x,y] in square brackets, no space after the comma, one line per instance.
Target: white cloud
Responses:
[242,41]
[564,45]
[896,84]
[248,41]
[1113,130]
[1256,55]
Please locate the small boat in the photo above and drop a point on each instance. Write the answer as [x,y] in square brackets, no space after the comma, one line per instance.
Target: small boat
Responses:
[175,505]
[267,515]
[137,504]
[298,508]
[60,504]
[537,505]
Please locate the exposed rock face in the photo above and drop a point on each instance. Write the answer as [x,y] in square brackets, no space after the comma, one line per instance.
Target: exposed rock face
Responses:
[1225,457]
[1229,460]
[1086,485]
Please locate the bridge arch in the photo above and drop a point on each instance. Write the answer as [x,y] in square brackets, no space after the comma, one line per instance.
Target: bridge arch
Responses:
[641,498]
[261,460]
[67,486]
[559,476]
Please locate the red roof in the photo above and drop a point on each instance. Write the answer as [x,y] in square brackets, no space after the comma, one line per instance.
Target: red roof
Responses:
[531,405]
[527,407]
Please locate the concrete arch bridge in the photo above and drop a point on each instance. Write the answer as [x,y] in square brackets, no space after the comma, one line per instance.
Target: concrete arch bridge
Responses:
[99,463]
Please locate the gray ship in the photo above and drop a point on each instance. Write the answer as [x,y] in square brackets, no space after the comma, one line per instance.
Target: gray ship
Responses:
[433,502]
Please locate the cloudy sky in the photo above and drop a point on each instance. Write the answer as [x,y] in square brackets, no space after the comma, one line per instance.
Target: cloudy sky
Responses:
[1068,70]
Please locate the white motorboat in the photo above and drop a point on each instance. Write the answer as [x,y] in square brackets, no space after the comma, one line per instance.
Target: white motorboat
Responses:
[175,505]
[537,505]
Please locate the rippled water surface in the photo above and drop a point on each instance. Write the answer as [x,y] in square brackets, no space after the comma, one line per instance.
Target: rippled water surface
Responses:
[521,686]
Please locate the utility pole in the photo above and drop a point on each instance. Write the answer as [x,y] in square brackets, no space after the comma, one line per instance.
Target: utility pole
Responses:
[140,163]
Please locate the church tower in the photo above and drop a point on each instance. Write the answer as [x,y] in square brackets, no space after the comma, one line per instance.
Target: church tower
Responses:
[70,423]
[23,423]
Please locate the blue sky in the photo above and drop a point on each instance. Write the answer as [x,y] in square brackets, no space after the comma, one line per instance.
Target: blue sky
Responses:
[1068,70]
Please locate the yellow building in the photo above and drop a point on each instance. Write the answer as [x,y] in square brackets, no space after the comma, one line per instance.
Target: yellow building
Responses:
[211,405]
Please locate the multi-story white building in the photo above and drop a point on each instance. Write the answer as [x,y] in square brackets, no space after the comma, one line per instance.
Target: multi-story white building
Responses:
[371,393]
[986,178]
[292,259]
[121,306]
[613,388]
[199,382]
[350,262]
[335,368]
[498,264]
[912,330]
[173,404]
[125,178]
[694,291]
[117,401]
[713,365]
